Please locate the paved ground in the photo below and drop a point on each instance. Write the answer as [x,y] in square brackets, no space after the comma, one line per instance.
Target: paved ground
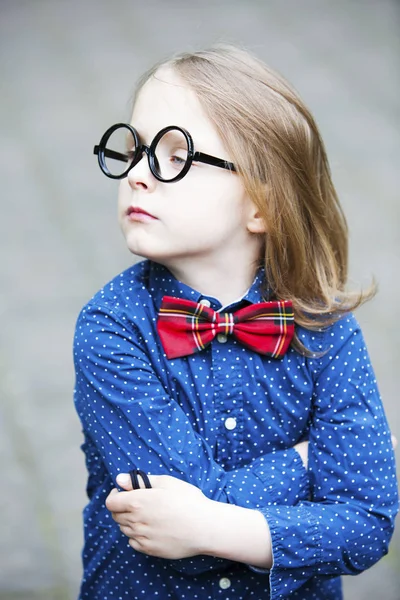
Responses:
[67,72]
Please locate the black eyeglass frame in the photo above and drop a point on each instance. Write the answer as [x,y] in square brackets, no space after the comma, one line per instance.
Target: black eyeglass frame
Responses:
[102,153]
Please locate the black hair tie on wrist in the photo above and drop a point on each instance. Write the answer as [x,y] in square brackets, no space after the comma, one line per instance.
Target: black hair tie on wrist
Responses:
[135,481]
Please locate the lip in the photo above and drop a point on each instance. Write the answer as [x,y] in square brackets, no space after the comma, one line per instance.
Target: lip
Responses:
[135,213]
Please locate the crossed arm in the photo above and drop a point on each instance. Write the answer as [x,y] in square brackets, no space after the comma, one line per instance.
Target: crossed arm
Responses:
[176,520]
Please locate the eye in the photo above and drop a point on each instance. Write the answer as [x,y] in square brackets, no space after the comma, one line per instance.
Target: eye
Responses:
[177,157]
[177,160]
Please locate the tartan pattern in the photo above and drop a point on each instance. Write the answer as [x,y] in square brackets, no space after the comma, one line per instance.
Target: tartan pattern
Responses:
[186,327]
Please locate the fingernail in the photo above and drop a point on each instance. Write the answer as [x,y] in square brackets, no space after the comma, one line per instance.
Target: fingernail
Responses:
[123,479]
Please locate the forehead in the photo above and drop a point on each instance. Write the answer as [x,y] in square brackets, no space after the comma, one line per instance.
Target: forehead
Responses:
[165,99]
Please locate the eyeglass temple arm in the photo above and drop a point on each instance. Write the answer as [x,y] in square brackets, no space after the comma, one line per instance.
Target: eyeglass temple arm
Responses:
[111,154]
[212,160]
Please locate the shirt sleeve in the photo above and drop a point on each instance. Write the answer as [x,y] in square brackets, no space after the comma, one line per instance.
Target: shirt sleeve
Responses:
[134,423]
[347,525]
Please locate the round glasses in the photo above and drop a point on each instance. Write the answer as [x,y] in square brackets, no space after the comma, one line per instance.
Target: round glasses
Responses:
[170,154]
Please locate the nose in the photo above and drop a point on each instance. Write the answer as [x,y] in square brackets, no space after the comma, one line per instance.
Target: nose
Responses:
[140,176]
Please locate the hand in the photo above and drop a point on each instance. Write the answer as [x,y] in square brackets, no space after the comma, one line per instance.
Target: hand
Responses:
[175,520]
[302,449]
[168,520]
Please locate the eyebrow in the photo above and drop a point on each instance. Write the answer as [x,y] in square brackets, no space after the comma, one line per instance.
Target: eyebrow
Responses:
[147,139]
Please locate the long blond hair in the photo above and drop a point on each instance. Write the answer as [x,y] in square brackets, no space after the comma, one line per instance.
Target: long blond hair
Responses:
[275,144]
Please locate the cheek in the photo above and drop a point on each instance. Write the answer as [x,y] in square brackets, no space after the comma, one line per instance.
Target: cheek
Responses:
[124,200]
[208,218]
[219,192]
[123,194]
[224,206]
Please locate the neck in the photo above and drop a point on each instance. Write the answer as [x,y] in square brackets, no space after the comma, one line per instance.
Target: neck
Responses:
[224,282]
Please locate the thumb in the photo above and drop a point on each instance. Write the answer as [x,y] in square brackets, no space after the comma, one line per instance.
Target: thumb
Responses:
[124,481]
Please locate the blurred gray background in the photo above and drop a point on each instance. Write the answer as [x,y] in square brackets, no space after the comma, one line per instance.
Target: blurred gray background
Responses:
[67,72]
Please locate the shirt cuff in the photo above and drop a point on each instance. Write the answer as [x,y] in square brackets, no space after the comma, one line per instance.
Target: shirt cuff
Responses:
[289,550]
[296,557]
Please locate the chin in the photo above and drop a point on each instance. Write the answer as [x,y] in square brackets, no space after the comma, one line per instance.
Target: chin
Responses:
[135,245]
[144,252]
[136,249]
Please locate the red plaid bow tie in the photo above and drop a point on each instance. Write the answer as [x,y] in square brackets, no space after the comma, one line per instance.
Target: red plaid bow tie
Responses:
[186,327]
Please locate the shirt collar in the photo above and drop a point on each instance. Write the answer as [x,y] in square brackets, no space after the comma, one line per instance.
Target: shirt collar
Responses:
[258,289]
[163,283]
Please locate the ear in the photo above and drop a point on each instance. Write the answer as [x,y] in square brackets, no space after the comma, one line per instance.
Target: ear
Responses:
[255,222]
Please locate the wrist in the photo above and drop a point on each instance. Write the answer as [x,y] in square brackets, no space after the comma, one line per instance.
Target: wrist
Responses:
[238,534]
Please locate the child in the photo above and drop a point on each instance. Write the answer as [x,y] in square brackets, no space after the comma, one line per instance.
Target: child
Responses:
[226,371]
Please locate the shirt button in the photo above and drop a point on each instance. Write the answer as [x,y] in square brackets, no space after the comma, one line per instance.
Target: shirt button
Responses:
[205,302]
[224,583]
[230,423]
[222,338]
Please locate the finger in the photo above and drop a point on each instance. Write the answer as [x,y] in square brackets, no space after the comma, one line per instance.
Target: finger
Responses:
[134,530]
[394,442]
[124,481]
[137,544]
[122,518]
[158,481]
[118,501]
[134,544]
[110,500]
[126,530]
[141,480]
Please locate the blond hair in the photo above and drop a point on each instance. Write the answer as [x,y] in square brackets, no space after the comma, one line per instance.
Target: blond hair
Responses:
[276,147]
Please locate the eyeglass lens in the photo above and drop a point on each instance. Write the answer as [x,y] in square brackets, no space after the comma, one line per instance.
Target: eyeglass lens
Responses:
[169,154]
[119,151]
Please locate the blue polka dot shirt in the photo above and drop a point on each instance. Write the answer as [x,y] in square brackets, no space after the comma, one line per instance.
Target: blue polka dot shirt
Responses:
[226,420]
